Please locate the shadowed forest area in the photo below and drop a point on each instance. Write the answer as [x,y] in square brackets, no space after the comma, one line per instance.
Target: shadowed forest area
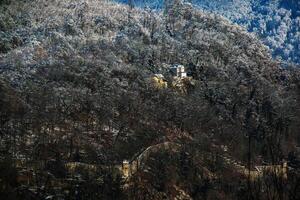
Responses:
[100,100]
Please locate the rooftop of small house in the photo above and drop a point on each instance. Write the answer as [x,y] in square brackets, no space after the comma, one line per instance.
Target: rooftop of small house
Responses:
[177,66]
[159,76]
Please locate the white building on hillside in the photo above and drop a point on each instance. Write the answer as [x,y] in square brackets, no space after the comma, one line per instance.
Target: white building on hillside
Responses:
[178,71]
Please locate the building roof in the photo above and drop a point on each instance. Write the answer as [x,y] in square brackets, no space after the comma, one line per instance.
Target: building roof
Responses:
[159,75]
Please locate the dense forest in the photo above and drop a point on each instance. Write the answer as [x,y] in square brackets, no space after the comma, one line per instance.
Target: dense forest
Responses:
[275,22]
[91,108]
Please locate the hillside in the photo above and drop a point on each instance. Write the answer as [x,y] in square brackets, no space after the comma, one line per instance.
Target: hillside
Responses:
[83,70]
[275,22]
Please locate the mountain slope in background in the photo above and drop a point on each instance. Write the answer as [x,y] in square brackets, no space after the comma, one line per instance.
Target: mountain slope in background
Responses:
[277,22]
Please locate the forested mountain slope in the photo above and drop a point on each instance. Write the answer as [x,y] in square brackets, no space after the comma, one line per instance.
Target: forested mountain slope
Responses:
[275,22]
[83,71]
